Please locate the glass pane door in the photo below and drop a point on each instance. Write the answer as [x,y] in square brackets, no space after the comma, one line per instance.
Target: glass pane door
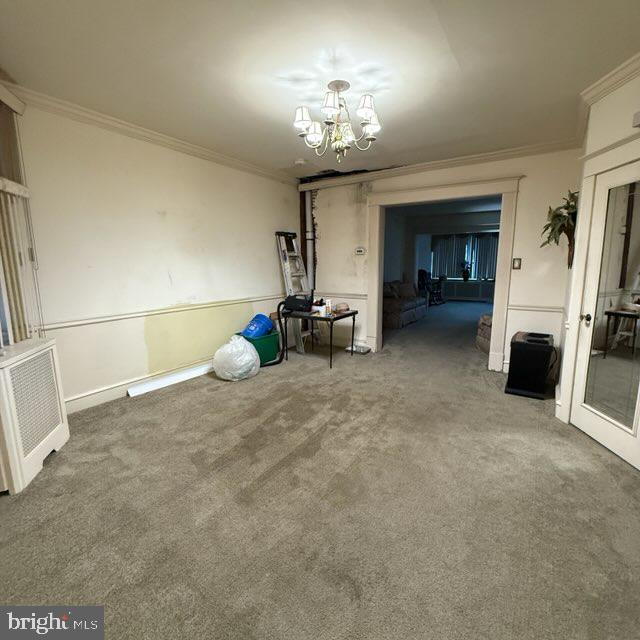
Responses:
[614,367]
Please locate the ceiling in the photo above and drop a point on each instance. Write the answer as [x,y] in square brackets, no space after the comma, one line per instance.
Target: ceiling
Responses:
[450,77]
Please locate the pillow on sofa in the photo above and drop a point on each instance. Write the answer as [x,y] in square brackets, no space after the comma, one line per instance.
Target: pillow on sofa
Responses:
[406,290]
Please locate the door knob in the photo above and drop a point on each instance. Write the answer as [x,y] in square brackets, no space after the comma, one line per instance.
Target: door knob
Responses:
[586,317]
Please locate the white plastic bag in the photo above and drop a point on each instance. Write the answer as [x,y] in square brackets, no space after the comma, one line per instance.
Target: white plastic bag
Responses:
[236,360]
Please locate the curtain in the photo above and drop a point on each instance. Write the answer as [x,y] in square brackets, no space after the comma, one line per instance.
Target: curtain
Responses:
[485,256]
[443,255]
[450,252]
[17,285]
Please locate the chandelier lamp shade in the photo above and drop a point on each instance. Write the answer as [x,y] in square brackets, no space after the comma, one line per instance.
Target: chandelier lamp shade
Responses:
[337,133]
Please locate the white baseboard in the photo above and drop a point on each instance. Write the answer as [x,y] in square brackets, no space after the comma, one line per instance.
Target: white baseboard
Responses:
[563,412]
[495,361]
[152,384]
[119,389]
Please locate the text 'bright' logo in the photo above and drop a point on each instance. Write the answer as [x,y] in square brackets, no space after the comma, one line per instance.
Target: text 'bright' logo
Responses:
[36,621]
[40,624]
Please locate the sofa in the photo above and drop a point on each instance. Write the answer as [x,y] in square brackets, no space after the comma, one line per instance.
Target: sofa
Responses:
[401,305]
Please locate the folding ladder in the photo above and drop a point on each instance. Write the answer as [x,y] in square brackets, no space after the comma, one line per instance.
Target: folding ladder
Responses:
[295,276]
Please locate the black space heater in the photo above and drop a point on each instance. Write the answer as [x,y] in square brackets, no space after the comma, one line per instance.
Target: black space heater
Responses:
[532,365]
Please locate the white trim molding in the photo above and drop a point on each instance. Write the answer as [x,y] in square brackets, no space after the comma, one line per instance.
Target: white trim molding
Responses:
[14,188]
[377,203]
[65,324]
[464,189]
[12,101]
[166,380]
[460,161]
[574,306]
[628,70]
[117,390]
[88,116]
[541,309]
[348,296]
[610,147]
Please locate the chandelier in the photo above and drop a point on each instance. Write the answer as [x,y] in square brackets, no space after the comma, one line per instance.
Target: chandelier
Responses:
[338,132]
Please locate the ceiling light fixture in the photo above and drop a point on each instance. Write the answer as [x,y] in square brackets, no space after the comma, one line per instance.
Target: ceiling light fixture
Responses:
[338,132]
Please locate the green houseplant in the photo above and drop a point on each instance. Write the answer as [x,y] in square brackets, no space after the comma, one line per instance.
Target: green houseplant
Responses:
[562,220]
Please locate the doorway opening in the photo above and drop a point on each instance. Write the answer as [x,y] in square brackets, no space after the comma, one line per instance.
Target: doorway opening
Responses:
[379,201]
[440,267]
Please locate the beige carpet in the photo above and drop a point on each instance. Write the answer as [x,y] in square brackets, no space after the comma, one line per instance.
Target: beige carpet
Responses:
[400,495]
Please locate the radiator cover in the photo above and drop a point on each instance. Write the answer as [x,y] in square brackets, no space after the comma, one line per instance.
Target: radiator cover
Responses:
[33,419]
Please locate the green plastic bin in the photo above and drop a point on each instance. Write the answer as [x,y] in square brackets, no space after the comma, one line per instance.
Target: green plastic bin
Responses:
[266,346]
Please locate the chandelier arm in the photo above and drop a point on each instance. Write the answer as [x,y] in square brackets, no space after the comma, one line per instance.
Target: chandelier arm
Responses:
[361,136]
[315,146]
[325,139]
[369,143]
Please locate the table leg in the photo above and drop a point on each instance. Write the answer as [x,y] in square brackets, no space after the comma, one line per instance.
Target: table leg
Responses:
[330,345]
[353,332]
[286,340]
[633,344]
[311,321]
[606,338]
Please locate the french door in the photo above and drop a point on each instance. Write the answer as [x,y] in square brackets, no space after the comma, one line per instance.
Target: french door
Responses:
[607,376]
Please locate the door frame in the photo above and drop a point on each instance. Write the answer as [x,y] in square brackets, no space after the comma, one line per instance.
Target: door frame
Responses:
[507,188]
[606,430]
[593,166]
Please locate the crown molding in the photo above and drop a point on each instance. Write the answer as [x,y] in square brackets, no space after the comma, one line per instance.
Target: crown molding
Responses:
[88,116]
[612,81]
[583,122]
[12,101]
[478,158]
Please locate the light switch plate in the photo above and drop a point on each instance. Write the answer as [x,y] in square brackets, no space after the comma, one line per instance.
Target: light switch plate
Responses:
[517,263]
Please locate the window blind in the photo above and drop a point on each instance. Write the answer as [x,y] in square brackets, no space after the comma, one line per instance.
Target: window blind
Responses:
[19,301]
[450,252]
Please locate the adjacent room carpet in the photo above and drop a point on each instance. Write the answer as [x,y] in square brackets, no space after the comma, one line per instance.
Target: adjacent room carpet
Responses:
[399,495]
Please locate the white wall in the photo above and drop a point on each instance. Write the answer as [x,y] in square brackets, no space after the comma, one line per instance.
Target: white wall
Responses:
[149,258]
[394,248]
[611,118]
[537,291]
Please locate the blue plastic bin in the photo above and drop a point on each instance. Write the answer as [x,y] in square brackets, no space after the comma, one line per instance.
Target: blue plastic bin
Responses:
[260,325]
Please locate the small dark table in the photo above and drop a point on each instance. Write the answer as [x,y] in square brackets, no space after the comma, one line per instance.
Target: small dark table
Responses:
[618,314]
[332,319]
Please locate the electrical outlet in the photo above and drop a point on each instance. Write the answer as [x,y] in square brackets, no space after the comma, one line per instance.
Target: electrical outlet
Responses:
[360,251]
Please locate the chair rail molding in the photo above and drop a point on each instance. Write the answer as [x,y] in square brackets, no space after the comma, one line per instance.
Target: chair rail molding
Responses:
[81,322]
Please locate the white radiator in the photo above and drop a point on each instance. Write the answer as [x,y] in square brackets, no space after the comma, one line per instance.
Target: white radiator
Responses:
[33,420]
